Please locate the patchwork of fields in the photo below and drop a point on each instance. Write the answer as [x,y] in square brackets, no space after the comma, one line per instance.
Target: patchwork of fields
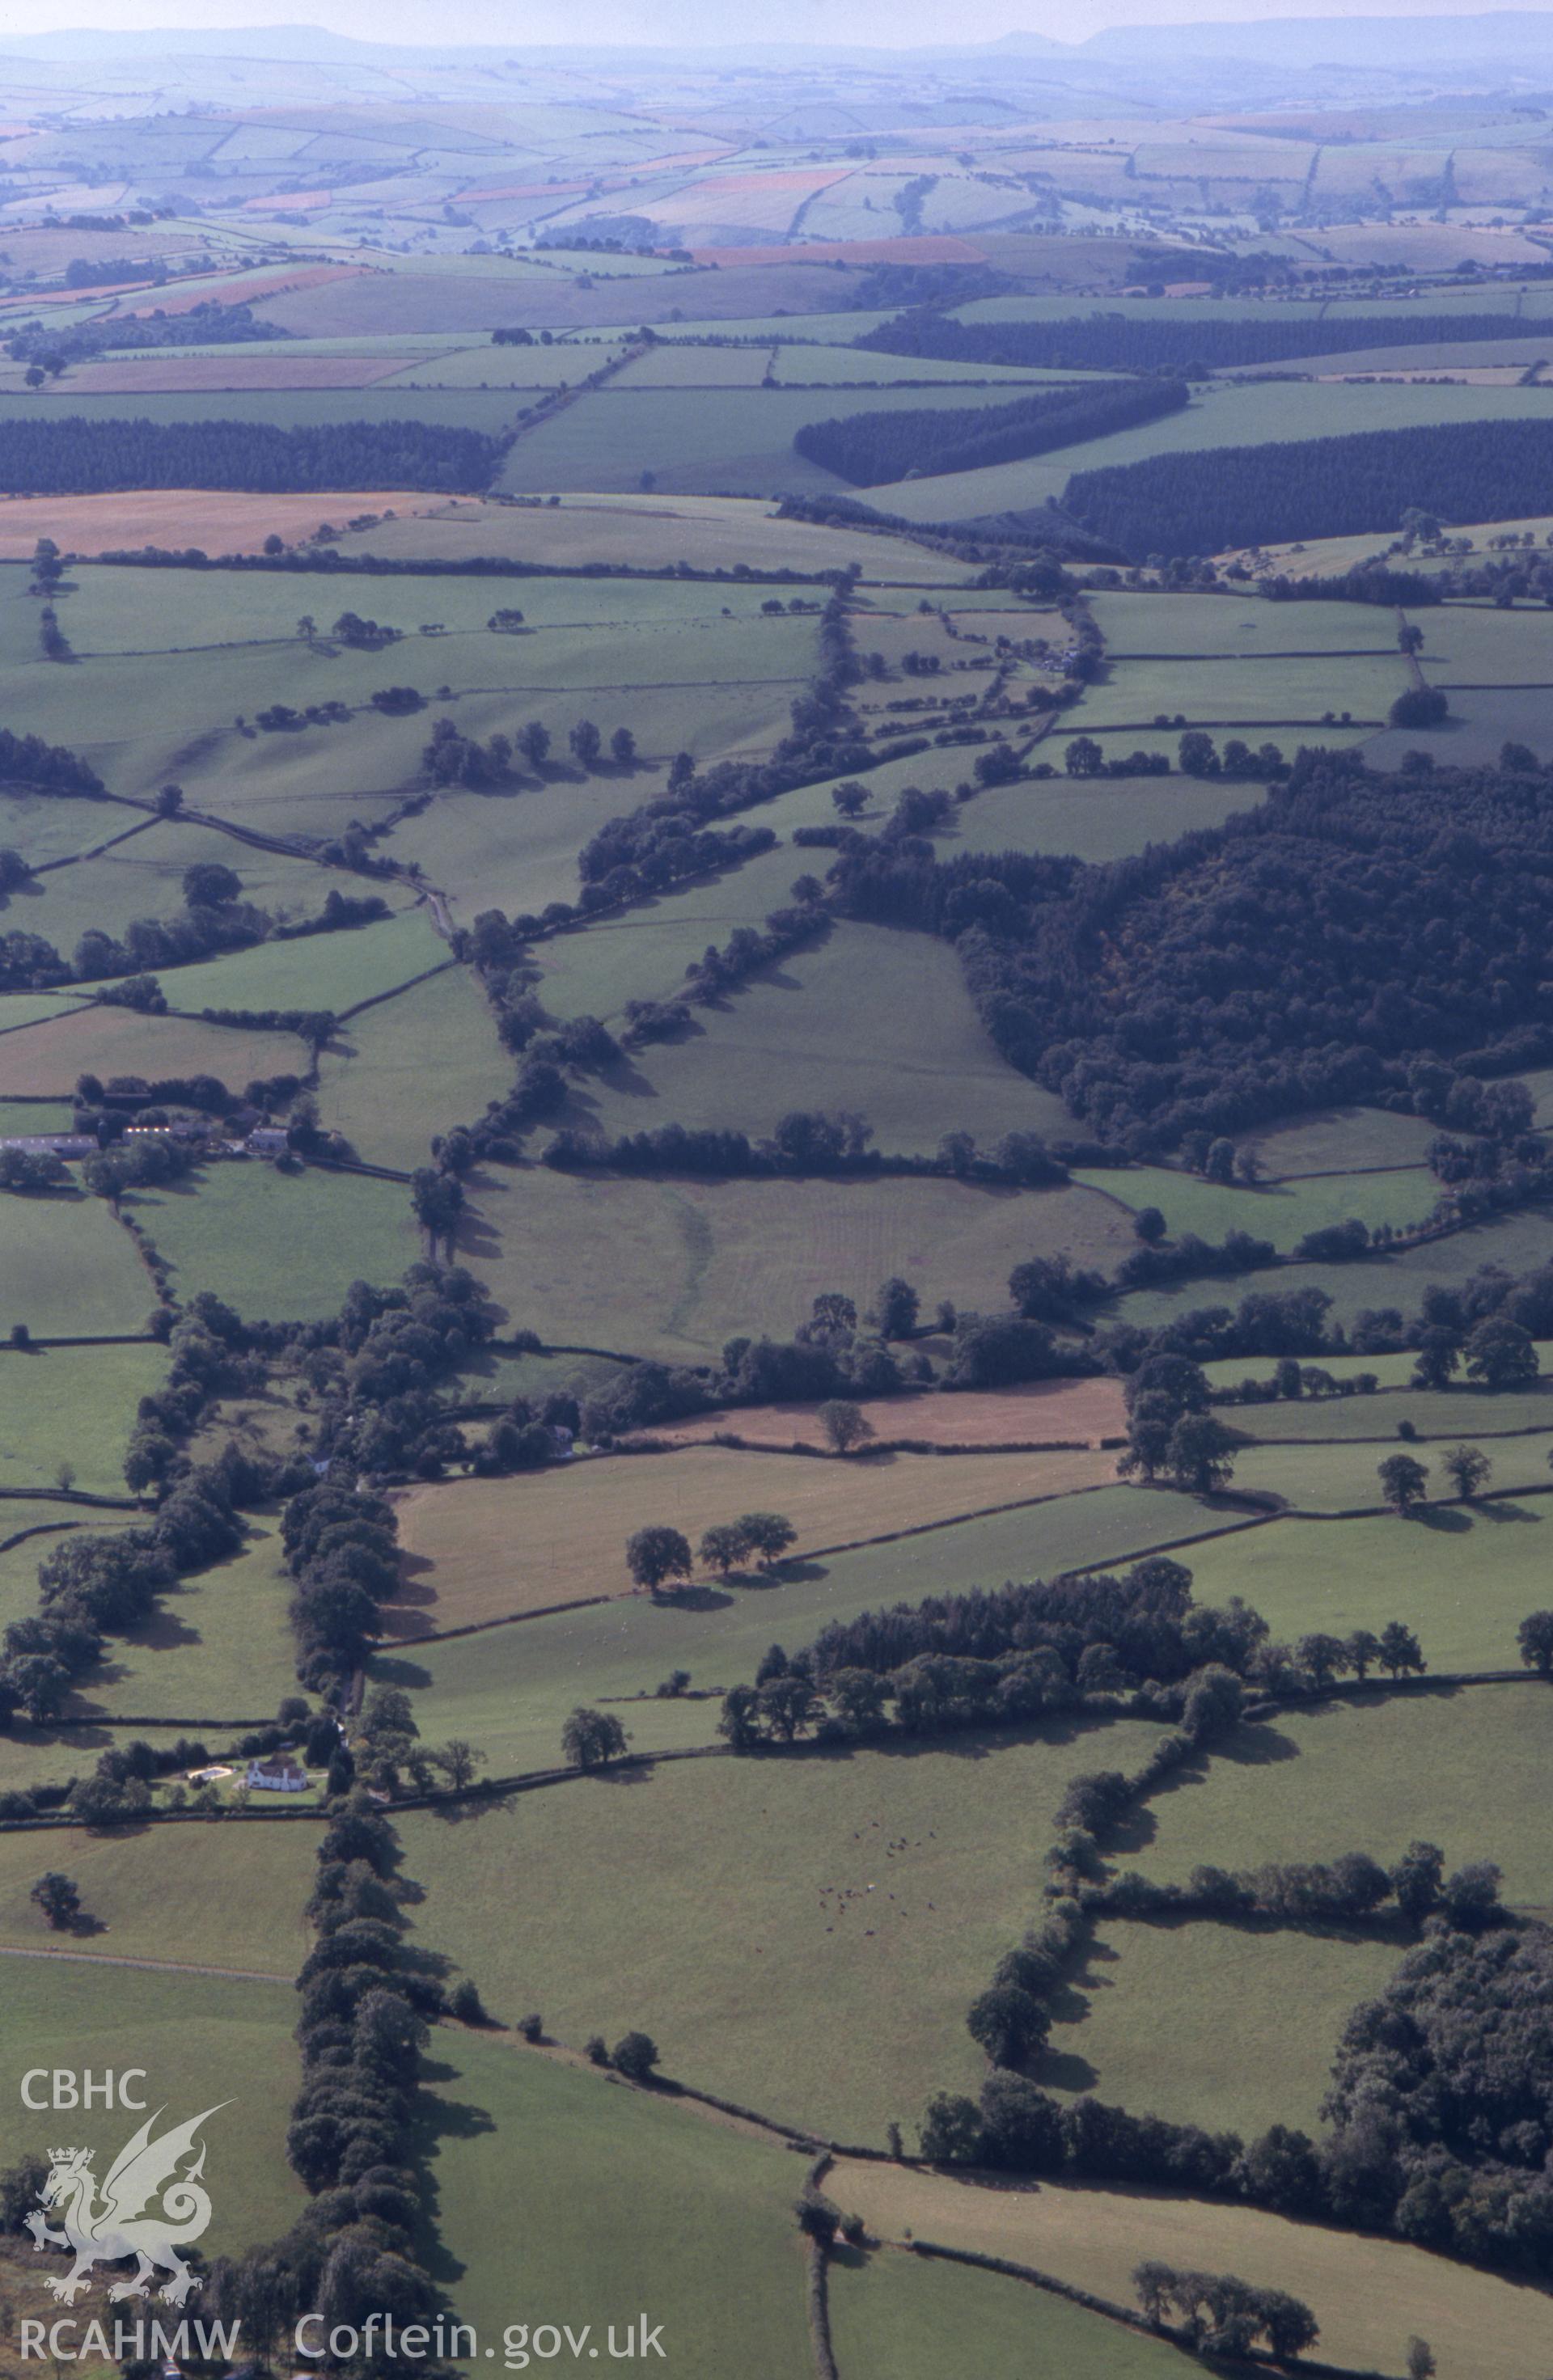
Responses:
[642,987]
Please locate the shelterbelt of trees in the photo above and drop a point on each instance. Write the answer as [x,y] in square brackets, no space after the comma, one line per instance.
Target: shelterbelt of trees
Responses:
[1331,944]
[871,448]
[72,456]
[203,325]
[1224,496]
[1098,342]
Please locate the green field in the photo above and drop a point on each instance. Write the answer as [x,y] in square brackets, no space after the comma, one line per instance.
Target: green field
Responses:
[339,971]
[49,1056]
[677,1266]
[222,1894]
[78,1406]
[278,1247]
[1207,2024]
[204,2042]
[897,2318]
[43,828]
[881,1886]
[621,2202]
[1242,692]
[412,1066]
[1463,1579]
[67,1269]
[1336,1140]
[218,1648]
[515,852]
[1280,1211]
[1194,627]
[1101,820]
[873,1020]
[1464,646]
[1340,1476]
[1457,1767]
[1456,1412]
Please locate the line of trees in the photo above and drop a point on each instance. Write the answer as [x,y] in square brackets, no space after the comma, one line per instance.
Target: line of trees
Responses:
[367,2000]
[1221,2314]
[1344,1891]
[1202,501]
[72,455]
[209,323]
[1189,344]
[923,441]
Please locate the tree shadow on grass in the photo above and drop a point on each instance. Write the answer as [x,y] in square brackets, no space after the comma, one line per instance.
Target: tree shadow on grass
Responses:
[478,1238]
[1066,2069]
[691,1599]
[1258,1744]
[436,2118]
[1497,1511]
[467,1814]
[627,1772]
[167,1631]
[387,1671]
[1446,1519]
[82,1731]
[800,1572]
[959,1744]
[626,1080]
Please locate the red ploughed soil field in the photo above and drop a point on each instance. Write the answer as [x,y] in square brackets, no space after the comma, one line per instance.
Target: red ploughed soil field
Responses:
[248,288]
[217,520]
[1042,1414]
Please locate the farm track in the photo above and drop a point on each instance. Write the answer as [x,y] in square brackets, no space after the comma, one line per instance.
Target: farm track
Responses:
[154,1966]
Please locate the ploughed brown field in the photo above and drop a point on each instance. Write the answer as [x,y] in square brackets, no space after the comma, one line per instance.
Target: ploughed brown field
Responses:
[481,1549]
[218,520]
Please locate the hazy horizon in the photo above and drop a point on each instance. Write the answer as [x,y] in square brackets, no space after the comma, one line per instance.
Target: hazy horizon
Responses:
[902,25]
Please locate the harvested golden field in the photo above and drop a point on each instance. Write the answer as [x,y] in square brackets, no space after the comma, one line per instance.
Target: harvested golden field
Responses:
[1038,1413]
[1369,2295]
[484,1549]
[218,520]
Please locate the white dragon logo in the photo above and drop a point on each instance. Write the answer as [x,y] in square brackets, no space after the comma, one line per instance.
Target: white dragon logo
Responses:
[101,2232]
